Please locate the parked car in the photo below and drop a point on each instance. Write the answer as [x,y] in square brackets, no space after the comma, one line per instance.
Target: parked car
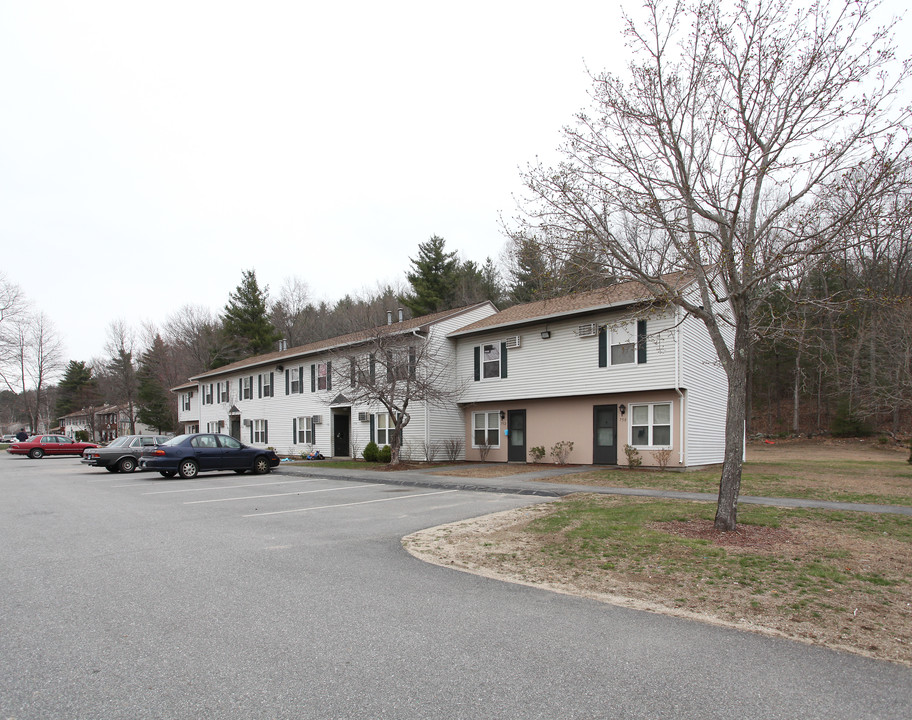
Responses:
[188,455]
[38,446]
[121,454]
[8,439]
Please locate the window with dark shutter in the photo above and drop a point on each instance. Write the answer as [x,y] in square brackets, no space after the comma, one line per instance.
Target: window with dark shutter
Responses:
[641,342]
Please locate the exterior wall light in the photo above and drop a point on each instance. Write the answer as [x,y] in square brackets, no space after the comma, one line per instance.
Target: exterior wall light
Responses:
[623,408]
[545,334]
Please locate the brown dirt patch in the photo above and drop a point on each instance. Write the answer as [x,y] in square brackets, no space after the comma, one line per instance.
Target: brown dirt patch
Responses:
[747,537]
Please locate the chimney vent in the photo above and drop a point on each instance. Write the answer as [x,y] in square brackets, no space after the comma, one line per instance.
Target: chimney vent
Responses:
[400,314]
[389,317]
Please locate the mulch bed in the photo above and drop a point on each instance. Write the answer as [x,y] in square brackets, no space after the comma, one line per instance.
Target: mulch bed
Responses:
[748,537]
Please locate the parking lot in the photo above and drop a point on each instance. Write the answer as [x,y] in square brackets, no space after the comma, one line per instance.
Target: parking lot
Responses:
[279,596]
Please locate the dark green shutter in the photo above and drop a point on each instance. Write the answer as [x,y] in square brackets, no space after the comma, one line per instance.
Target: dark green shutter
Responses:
[413,362]
[300,378]
[503,359]
[287,380]
[603,347]
[294,431]
[373,363]
[260,385]
[240,388]
[251,431]
[313,378]
[641,342]
[329,377]
[266,431]
[477,353]
[373,421]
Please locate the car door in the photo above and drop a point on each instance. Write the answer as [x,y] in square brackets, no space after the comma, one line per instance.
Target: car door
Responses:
[234,456]
[206,451]
[50,444]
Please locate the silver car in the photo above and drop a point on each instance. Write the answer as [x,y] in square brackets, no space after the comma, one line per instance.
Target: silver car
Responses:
[121,454]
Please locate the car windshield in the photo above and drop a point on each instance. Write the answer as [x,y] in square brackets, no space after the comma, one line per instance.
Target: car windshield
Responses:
[122,440]
[176,440]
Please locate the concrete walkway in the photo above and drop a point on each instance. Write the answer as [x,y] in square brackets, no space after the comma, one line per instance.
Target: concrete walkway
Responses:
[535,482]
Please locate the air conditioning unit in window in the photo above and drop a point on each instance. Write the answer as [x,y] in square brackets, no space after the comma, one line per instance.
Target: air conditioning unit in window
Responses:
[364,417]
[587,330]
[246,423]
[514,341]
[317,419]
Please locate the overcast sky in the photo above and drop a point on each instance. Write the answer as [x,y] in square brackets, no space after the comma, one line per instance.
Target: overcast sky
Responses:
[150,152]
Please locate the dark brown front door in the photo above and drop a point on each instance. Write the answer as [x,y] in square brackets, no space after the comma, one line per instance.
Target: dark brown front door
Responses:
[604,450]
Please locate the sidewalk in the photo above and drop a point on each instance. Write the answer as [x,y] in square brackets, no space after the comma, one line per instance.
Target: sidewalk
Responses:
[535,483]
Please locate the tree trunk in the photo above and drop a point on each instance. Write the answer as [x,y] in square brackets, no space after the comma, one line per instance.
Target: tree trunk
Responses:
[730,483]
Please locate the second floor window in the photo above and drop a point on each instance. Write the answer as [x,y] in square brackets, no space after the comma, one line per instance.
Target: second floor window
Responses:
[246,388]
[491,361]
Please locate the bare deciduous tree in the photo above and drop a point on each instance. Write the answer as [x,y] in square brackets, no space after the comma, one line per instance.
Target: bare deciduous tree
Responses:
[718,156]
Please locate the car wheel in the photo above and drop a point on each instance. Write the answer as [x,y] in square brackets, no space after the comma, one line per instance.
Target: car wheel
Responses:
[36,453]
[127,464]
[240,472]
[188,469]
[261,465]
[167,473]
[111,468]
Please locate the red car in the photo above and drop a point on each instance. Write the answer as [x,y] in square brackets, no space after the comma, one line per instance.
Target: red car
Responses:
[38,446]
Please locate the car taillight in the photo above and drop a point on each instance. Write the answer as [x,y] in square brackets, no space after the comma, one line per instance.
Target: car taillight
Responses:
[158,452]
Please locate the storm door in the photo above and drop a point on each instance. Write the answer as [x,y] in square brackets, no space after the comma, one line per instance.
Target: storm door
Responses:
[604,451]
[341,432]
[516,438]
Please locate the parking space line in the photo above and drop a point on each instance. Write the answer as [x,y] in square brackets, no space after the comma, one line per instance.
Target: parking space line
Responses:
[340,505]
[270,495]
[232,487]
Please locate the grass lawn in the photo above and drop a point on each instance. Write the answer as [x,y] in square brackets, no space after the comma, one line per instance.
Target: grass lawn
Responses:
[840,579]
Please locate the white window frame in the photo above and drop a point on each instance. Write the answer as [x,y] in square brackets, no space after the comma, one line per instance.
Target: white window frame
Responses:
[495,348]
[322,374]
[624,338]
[267,387]
[246,388]
[207,394]
[213,427]
[305,431]
[259,431]
[185,401]
[294,381]
[491,427]
[650,424]
[385,425]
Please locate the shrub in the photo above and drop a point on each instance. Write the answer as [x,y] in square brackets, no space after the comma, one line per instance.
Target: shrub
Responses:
[662,457]
[385,454]
[430,448]
[633,456]
[453,448]
[561,451]
[371,452]
[483,450]
[537,453]
[847,424]
[81,436]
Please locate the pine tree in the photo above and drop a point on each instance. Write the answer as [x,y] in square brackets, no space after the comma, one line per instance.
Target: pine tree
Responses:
[246,319]
[434,278]
[71,389]
[156,405]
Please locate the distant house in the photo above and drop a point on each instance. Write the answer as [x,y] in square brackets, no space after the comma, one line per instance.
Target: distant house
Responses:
[602,370]
[102,423]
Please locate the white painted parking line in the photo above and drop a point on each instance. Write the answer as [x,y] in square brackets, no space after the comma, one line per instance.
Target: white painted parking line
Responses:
[340,505]
[271,495]
[232,487]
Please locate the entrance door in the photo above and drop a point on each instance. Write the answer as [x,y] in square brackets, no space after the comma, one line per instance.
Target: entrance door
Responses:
[341,431]
[605,451]
[516,440]
[236,427]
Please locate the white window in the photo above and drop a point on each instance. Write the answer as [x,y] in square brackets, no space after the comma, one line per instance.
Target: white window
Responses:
[322,372]
[490,361]
[384,429]
[185,401]
[246,388]
[486,429]
[305,431]
[295,381]
[259,431]
[623,344]
[650,425]
[265,381]
[213,427]
[207,394]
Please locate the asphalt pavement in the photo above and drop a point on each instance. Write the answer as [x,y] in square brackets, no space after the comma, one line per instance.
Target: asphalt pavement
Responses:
[289,595]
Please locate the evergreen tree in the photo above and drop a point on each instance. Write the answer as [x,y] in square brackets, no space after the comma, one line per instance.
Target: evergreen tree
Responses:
[246,319]
[156,405]
[71,389]
[434,278]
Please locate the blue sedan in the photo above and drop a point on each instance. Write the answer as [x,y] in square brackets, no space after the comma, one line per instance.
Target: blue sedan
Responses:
[189,455]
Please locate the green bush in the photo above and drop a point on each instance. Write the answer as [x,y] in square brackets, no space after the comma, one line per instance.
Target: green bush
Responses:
[848,424]
[385,455]
[371,452]
[81,436]
[537,453]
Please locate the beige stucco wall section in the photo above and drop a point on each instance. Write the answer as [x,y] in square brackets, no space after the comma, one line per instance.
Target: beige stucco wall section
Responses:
[551,420]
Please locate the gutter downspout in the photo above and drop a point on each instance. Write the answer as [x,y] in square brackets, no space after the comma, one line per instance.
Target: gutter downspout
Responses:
[678,363]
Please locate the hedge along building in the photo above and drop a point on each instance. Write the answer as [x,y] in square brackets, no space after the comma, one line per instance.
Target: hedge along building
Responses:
[605,370]
[313,397]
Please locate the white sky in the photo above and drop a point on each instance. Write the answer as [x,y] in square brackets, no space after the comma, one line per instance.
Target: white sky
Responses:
[150,152]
